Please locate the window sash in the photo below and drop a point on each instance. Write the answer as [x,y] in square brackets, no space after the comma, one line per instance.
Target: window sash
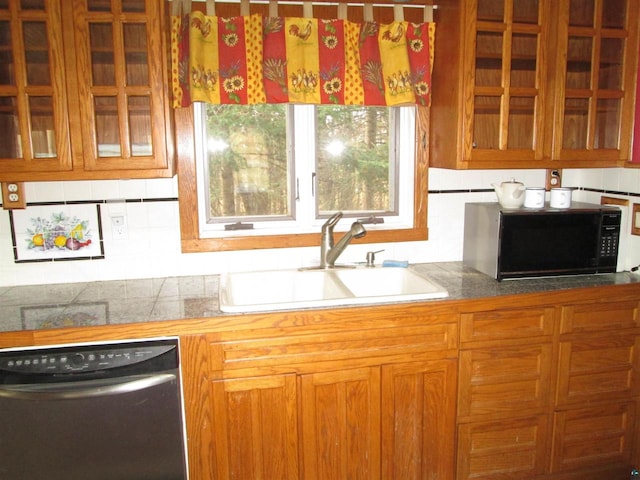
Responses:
[304,218]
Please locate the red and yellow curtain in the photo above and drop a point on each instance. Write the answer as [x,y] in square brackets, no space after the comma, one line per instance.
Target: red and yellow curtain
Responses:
[255,59]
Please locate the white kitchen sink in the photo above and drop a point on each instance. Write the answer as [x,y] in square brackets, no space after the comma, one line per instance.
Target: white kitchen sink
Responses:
[293,289]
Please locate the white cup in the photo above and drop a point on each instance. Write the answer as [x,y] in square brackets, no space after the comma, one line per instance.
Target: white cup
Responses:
[534,197]
[560,198]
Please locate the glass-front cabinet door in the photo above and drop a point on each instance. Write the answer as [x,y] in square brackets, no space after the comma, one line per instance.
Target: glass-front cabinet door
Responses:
[595,86]
[121,85]
[507,81]
[34,128]
[534,83]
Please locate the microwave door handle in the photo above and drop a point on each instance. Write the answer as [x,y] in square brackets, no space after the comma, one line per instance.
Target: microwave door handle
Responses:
[77,390]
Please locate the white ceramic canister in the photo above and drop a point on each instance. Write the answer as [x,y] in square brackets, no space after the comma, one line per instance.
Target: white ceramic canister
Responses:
[560,198]
[534,197]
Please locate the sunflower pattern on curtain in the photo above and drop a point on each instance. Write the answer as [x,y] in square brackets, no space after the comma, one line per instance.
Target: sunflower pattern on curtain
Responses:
[254,59]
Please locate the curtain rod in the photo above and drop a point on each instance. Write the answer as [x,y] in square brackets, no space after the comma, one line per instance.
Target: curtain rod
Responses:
[389,3]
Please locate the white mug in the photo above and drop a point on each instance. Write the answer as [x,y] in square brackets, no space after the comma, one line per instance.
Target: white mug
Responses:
[560,198]
[534,197]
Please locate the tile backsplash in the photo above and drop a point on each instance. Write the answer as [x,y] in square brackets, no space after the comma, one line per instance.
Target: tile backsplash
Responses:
[152,244]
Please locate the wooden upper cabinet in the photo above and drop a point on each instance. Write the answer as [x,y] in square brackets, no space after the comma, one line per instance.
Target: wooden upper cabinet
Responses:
[595,88]
[34,120]
[83,90]
[534,83]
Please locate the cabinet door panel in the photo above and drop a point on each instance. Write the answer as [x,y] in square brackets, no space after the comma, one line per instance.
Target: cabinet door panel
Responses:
[418,422]
[121,86]
[506,324]
[598,368]
[595,80]
[341,424]
[593,317]
[504,379]
[33,101]
[255,428]
[512,449]
[591,437]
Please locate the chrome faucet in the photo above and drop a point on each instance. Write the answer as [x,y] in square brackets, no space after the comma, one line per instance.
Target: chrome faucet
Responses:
[330,253]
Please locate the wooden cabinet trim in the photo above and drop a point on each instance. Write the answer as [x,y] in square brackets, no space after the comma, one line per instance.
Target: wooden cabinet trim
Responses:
[337,346]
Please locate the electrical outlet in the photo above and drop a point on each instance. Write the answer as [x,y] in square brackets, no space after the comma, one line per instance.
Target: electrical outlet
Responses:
[554,178]
[119,228]
[13,196]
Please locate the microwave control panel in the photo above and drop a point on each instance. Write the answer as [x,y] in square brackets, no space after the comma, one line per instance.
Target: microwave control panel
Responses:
[610,234]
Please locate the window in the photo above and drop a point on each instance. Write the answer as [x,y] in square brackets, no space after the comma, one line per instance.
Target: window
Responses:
[272,169]
[189,191]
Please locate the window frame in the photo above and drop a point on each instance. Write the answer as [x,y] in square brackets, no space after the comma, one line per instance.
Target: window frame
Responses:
[192,242]
[303,182]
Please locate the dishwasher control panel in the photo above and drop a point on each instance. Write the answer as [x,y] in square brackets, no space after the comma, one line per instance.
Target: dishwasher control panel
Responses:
[80,359]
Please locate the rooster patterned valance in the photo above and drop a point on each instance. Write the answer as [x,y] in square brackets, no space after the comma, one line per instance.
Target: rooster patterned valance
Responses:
[255,59]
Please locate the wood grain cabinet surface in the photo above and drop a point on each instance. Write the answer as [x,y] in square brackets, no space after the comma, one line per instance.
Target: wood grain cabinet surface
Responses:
[542,386]
[549,392]
[534,83]
[373,403]
[85,90]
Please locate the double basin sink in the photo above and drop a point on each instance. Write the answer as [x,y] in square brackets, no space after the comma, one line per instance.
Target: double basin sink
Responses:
[313,288]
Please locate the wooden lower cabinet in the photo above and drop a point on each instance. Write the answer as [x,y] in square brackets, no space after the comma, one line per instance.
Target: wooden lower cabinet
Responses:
[389,421]
[540,387]
[340,424]
[550,392]
[418,420]
[254,427]
[594,437]
[350,404]
[511,448]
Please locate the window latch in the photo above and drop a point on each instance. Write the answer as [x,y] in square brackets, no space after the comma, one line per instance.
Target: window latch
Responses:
[238,226]
[372,220]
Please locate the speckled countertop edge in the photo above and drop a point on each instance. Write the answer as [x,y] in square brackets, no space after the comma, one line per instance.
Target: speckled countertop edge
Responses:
[175,298]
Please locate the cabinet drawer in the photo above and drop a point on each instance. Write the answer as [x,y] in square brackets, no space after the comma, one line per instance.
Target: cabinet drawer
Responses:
[506,324]
[511,449]
[504,379]
[355,347]
[600,317]
[598,368]
[589,437]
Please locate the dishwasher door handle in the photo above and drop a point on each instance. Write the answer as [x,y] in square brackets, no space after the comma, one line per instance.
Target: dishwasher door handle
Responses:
[84,389]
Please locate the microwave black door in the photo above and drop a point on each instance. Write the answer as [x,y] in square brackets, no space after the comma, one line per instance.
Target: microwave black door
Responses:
[549,243]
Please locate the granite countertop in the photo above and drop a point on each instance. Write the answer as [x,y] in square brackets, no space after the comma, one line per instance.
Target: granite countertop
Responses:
[175,298]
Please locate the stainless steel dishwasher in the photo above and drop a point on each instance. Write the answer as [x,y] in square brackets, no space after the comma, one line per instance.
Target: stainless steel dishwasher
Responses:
[92,411]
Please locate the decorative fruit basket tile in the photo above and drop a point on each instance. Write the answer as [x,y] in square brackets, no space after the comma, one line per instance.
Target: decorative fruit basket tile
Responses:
[57,232]
[59,316]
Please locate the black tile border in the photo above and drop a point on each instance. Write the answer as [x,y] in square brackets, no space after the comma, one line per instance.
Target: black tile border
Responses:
[105,201]
[487,190]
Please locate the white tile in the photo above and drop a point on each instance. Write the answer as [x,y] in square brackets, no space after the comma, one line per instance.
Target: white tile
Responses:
[44,191]
[133,189]
[630,180]
[162,187]
[162,214]
[80,190]
[611,179]
[105,189]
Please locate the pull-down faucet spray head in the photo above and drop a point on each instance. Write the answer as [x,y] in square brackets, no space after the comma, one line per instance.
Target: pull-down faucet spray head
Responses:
[330,253]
